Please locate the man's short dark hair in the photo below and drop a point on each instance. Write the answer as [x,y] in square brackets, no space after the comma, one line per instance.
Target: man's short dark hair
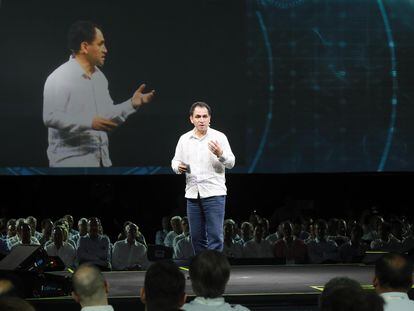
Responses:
[88,282]
[81,31]
[209,274]
[200,104]
[351,299]
[335,283]
[164,286]
[394,271]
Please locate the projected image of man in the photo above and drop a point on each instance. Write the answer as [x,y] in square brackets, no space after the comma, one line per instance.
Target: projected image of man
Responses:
[77,107]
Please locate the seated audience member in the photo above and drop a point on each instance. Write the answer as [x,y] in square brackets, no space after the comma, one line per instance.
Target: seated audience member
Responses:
[32,222]
[61,248]
[386,241]
[393,279]
[94,248]
[258,247]
[72,232]
[129,254]
[176,230]
[338,282]
[161,234]
[83,230]
[277,235]
[370,225]
[353,250]
[164,287]
[298,231]
[337,231]
[266,224]
[209,273]
[231,248]
[322,250]
[47,227]
[289,248]
[15,304]
[351,299]
[185,231]
[183,249]
[24,236]
[90,289]
[246,232]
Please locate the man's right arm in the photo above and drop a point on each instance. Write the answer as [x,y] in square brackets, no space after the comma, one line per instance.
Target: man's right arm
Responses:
[178,156]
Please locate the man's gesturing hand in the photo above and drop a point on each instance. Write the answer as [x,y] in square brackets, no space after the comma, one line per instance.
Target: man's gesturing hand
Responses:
[101,124]
[215,148]
[139,98]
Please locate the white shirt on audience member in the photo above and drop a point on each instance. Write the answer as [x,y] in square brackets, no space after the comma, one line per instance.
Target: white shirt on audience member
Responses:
[397,301]
[169,239]
[216,304]
[126,255]
[67,253]
[184,248]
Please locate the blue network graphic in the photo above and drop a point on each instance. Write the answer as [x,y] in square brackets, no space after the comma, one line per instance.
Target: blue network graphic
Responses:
[310,61]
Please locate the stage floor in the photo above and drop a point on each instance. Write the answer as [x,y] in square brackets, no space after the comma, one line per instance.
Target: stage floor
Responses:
[257,280]
[295,287]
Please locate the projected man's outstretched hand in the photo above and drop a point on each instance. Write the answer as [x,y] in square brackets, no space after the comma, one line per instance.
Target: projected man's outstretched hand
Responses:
[140,98]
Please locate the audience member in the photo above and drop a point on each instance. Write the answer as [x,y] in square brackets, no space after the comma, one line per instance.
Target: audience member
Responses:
[94,248]
[322,250]
[82,230]
[257,247]
[161,234]
[386,241]
[164,287]
[90,289]
[176,230]
[209,273]
[231,248]
[353,250]
[129,254]
[393,279]
[289,248]
[61,248]
[32,222]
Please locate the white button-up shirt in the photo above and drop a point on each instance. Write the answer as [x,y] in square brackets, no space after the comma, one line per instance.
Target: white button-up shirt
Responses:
[67,253]
[71,101]
[206,170]
[125,255]
[397,301]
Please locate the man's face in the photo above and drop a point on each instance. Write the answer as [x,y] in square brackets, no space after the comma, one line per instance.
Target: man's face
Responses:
[93,227]
[96,50]
[200,119]
[132,232]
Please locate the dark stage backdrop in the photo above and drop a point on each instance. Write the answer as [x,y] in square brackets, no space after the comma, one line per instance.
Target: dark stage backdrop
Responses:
[297,85]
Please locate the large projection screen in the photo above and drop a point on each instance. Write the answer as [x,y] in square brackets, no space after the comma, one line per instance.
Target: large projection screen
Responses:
[298,86]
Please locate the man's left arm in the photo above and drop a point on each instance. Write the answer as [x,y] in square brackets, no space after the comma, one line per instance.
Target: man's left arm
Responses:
[227,158]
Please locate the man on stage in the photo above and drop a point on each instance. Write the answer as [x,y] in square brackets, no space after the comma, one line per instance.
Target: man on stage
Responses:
[203,154]
[77,107]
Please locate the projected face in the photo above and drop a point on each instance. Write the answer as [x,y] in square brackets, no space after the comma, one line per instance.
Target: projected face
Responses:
[96,51]
[200,119]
